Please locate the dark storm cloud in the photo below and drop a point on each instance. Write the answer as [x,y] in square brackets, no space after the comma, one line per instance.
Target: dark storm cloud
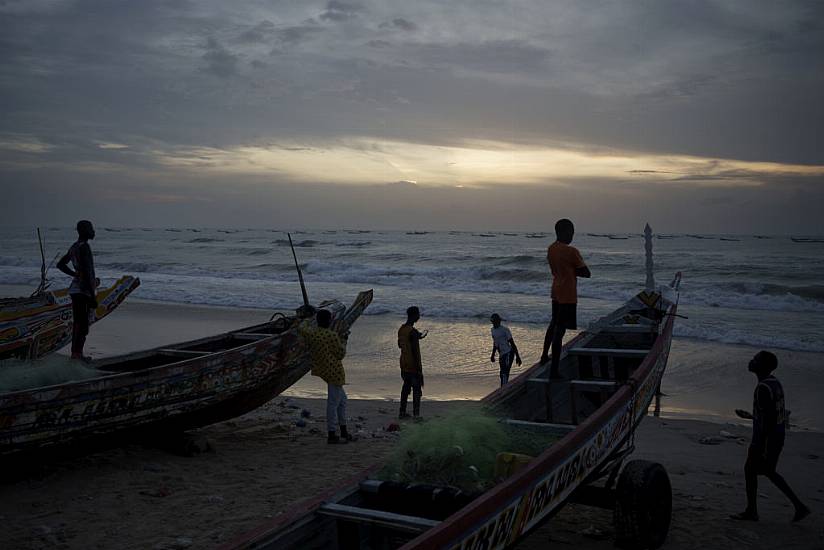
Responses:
[260,33]
[340,11]
[220,61]
[400,23]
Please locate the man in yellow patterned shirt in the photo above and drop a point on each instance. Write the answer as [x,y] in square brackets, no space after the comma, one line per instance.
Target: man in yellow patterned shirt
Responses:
[327,350]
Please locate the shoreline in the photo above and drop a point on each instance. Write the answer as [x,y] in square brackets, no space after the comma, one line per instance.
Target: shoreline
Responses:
[704,380]
[262,464]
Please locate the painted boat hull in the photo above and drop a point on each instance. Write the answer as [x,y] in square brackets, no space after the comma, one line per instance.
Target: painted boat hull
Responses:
[162,390]
[31,328]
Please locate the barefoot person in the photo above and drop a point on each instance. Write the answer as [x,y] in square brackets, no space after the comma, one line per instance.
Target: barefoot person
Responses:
[411,370]
[768,425]
[566,265]
[83,287]
[504,345]
[327,351]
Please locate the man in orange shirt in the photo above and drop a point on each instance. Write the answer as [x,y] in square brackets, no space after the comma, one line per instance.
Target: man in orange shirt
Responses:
[566,265]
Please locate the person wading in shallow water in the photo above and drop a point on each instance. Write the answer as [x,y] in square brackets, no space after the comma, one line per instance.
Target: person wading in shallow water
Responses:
[327,352]
[411,370]
[83,287]
[504,345]
[566,265]
[769,420]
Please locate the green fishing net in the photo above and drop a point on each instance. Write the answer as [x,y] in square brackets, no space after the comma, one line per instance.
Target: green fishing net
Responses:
[459,450]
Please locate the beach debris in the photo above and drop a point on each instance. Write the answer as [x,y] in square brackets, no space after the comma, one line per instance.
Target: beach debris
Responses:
[314,430]
[362,418]
[300,423]
[393,427]
[177,544]
[305,413]
[160,492]
[594,533]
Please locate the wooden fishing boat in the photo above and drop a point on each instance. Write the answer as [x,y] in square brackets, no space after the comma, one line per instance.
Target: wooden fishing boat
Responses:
[610,375]
[31,328]
[167,389]
[806,240]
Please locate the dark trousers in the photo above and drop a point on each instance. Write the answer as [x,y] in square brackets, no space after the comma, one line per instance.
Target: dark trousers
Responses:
[412,381]
[81,305]
[564,316]
[505,362]
[764,464]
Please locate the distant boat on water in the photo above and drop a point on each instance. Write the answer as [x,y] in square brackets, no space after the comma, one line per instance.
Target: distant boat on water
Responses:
[700,237]
[535,236]
[665,236]
[484,235]
[729,239]
[617,237]
[806,240]
[761,237]
[417,232]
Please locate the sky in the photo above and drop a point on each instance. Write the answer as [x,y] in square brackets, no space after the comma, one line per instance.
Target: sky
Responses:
[699,116]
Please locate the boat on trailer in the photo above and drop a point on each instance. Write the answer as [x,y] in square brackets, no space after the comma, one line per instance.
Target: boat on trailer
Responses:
[167,389]
[611,373]
[31,328]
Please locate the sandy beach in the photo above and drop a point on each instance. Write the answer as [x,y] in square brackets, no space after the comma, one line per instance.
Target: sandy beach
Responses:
[261,464]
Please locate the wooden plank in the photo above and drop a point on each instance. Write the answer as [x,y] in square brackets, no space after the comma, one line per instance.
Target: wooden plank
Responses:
[628,329]
[595,383]
[562,429]
[400,522]
[185,352]
[616,352]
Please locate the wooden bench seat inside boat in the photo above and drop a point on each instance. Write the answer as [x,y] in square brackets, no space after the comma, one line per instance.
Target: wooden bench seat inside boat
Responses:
[399,522]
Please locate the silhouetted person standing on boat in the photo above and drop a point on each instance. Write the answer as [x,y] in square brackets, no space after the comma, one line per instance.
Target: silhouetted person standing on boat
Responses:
[504,345]
[327,353]
[83,287]
[411,369]
[566,265]
[769,420]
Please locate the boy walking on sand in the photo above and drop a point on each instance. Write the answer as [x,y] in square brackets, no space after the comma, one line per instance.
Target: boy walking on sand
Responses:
[327,351]
[411,370]
[82,291]
[768,429]
[504,345]
[566,265]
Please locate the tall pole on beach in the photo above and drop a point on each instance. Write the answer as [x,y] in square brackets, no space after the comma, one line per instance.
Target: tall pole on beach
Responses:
[650,284]
[300,275]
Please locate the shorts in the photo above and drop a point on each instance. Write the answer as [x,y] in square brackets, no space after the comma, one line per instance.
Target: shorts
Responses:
[565,315]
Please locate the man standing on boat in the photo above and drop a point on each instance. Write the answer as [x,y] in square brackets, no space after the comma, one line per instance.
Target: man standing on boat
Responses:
[83,287]
[411,369]
[769,421]
[327,352]
[566,265]
[504,345]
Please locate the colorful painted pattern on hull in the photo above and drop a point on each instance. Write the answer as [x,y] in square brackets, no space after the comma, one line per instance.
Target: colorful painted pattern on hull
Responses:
[31,328]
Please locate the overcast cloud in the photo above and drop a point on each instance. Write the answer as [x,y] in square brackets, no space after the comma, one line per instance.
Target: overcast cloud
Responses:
[706,114]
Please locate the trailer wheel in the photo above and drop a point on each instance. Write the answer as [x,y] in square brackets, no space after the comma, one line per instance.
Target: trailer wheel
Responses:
[643,506]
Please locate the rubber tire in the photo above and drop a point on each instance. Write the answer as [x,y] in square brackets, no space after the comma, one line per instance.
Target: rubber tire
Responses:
[643,506]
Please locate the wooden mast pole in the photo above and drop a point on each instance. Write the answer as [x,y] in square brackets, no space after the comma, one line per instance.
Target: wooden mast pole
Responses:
[650,284]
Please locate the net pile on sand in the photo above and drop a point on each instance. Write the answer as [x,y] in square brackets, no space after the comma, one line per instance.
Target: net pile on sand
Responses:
[458,450]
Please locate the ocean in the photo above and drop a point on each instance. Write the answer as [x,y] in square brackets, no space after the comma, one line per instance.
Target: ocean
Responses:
[763,291]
